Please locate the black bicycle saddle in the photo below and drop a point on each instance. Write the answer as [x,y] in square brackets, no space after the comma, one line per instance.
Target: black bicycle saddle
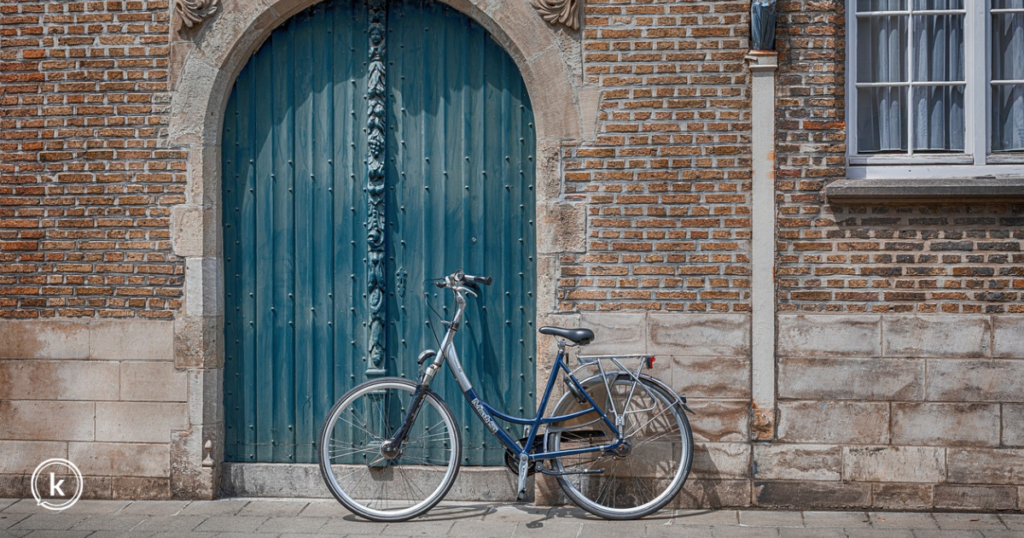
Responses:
[580,336]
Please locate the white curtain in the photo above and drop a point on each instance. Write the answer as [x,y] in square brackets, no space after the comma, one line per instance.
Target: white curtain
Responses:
[938,56]
[1008,64]
[881,57]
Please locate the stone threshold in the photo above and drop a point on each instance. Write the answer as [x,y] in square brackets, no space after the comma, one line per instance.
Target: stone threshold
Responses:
[303,480]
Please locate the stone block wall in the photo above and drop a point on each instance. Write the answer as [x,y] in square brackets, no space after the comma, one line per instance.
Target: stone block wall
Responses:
[896,412]
[103,394]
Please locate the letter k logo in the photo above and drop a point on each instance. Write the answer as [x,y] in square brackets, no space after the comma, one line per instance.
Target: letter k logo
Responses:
[55,486]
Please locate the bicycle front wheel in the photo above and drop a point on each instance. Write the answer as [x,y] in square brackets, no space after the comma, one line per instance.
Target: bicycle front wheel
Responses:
[393,487]
[646,472]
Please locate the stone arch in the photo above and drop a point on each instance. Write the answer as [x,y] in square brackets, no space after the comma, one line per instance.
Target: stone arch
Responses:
[204,64]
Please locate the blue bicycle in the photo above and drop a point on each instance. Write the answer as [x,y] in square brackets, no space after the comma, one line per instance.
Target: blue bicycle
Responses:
[618,441]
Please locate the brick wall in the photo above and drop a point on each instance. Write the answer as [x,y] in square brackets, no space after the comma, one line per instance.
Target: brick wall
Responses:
[666,180]
[85,182]
[871,258]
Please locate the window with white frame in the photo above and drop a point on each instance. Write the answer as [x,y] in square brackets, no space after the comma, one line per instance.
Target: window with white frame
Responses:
[936,82]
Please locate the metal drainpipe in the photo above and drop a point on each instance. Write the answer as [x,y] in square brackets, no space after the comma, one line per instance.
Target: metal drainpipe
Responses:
[763,65]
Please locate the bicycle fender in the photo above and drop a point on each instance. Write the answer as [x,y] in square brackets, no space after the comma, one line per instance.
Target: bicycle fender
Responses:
[681,398]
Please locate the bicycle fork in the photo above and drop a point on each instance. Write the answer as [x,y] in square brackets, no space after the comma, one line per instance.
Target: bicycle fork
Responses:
[392,447]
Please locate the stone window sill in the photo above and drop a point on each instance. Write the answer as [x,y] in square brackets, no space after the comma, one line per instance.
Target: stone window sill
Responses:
[880,191]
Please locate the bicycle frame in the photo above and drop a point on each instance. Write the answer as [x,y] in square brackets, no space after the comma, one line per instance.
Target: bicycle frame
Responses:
[487,414]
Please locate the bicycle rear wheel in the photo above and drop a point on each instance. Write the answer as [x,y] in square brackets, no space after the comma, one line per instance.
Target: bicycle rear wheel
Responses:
[647,472]
[362,477]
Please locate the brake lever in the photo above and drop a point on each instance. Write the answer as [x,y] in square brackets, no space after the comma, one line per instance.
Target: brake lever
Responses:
[466,290]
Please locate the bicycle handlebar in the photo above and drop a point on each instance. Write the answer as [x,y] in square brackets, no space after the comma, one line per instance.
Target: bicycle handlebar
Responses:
[485,280]
[459,278]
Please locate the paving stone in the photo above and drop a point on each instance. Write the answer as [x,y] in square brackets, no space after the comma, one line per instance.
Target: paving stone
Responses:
[271,508]
[787,532]
[352,525]
[549,529]
[516,512]
[330,508]
[902,520]
[678,531]
[4,503]
[1001,534]
[230,524]
[122,534]
[9,520]
[154,508]
[1013,521]
[13,534]
[179,524]
[56,522]
[483,529]
[455,510]
[22,506]
[228,507]
[764,518]
[745,532]
[293,524]
[946,534]
[850,520]
[707,517]
[602,527]
[969,521]
[236,535]
[97,508]
[420,527]
[109,523]
[58,534]
[879,533]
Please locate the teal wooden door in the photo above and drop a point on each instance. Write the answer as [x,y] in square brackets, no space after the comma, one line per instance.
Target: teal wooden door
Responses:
[317,155]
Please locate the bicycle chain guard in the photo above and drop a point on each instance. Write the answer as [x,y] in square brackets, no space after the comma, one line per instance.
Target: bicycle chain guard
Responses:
[512,460]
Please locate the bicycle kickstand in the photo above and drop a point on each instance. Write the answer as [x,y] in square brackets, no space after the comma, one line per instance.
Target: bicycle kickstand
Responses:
[524,466]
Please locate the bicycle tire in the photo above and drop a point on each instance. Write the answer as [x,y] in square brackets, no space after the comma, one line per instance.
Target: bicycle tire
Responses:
[350,444]
[628,486]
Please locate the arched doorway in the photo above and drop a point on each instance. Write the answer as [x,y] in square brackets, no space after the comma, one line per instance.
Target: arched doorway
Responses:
[456,191]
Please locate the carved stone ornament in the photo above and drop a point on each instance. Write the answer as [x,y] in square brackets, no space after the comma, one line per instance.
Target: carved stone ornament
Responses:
[565,12]
[193,12]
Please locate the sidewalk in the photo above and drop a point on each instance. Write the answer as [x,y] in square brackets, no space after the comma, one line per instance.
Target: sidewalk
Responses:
[291,518]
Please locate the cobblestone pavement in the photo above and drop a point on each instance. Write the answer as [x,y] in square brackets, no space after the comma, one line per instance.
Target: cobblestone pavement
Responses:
[290,518]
